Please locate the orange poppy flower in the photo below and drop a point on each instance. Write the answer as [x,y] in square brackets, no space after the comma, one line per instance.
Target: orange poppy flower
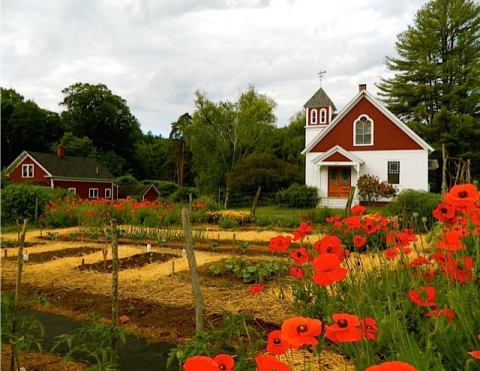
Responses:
[225,362]
[296,272]
[330,245]
[327,269]
[299,331]
[475,354]
[359,241]
[444,213]
[257,289]
[276,344]
[279,243]
[462,196]
[266,362]
[447,313]
[392,366]
[302,230]
[451,241]
[200,363]
[421,260]
[370,328]
[390,253]
[346,329]
[358,210]
[300,256]
[424,296]
[459,270]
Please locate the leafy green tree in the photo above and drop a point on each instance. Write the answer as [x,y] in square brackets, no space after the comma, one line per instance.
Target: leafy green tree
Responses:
[222,134]
[93,111]
[25,126]
[436,83]
[181,154]
[126,180]
[289,141]
[75,146]
[153,158]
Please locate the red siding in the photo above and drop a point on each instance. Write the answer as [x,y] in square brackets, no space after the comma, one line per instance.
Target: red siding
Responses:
[337,156]
[38,173]
[82,187]
[310,113]
[387,135]
[151,195]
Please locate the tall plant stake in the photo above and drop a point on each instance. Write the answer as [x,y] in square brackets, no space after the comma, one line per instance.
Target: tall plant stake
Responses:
[192,263]
[113,344]
[14,363]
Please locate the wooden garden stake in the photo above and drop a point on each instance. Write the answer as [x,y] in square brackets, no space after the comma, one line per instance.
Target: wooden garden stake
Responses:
[234,238]
[444,170]
[36,211]
[113,345]
[192,263]
[5,253]
[105,250]
[255,200]
[173,268]
[14,363]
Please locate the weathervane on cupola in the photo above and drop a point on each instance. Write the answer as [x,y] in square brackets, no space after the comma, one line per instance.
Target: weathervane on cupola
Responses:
[321,74]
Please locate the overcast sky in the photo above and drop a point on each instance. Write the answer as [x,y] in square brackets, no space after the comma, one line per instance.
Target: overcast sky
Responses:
[156,53]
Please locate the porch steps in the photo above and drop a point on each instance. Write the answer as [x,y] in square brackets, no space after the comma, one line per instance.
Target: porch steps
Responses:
[335,203]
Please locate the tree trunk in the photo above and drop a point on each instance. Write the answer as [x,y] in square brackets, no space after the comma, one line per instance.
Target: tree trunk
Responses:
[113,343]
[14,364]
[227,195]
[192,263]
[255,200]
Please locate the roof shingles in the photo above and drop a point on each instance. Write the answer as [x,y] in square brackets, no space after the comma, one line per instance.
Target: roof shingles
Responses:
[320,99]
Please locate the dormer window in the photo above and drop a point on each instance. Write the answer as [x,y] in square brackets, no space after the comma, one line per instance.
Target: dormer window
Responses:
[363,131]
[323,116]
[314,116]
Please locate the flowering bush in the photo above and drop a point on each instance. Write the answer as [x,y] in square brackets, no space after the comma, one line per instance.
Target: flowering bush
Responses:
[370,188]
[413,308]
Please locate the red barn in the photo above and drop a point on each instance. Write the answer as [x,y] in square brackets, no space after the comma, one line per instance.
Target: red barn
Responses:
[147,192]
[80,175]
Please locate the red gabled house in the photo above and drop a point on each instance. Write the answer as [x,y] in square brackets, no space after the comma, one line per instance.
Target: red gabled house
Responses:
[82,176]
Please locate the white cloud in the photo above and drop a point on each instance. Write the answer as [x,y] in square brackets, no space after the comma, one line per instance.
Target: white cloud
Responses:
[156,53]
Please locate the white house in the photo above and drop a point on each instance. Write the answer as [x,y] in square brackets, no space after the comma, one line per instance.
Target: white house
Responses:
[363,138]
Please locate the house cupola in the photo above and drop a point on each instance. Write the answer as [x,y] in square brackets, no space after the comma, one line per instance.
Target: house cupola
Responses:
[319,110]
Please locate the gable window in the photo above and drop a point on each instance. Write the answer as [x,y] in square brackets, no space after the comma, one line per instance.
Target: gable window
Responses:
[363,131]
[93,193]
[72,190]
[108,193]
[314,116]
[393,175]
[27,171]
[323,116]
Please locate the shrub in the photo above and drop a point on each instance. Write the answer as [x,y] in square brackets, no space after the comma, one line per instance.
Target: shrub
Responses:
[182,194]
[370,188]
[297,196]
[165,187]
[18,201]
[414,206]
[126,180]
[228,223]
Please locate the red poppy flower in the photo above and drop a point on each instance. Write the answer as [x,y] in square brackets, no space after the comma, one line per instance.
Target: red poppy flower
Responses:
[279,243]
[296,272]
[276,344]
[392,366]
[421,260]
[444,213]
[266,362]
[327,269]
[424,296]
[224,362]
[475,354]
[358,210]
[299,331]
[459,270]
[346,329]
[462,196]
[300,256]
[330,245]
[391,253]
[353,222]
[451,241]
[257,289]
[200,363]
[370,328]
[302,230]
[447,313]
[359,241]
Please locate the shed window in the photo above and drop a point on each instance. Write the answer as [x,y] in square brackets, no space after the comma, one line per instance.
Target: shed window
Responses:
[108,193]
[72,190]
[394,172]
[363,131]
[93,193]
[27,171]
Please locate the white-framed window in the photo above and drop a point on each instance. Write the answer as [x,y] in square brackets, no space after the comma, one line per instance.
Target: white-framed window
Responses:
[323,116]
[363,131]
[27,171]
[93,193]
[108,193]
[393,172]
[314,116]
[72,190]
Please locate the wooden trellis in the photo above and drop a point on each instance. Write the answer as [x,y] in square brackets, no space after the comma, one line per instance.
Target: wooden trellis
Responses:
[454,170]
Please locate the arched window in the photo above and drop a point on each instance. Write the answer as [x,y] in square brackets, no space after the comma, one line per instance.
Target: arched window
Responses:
[363,131]
[323,116]
[314,116]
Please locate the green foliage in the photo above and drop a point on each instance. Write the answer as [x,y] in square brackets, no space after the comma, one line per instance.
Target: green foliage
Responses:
[371,189]
[75,146]
[298,196]
[182,194]
[92,341]
[249,272]
[182,157]
[414,208]
[165,187]
[126,180]
[153,158]
[233,336]
[18,201]
[228,223]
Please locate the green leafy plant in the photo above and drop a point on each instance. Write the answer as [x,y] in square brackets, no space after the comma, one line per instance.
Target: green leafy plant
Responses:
[297,196]
[228,223]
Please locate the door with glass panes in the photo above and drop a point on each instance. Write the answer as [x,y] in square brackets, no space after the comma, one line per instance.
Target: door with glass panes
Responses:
[339,181]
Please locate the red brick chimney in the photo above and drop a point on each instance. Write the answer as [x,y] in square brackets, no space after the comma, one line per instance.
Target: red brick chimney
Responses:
[362,87]
[60,151]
